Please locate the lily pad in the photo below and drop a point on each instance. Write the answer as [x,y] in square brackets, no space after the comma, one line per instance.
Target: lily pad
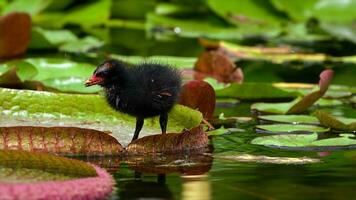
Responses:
[199,95]
[49,73]
[289,119]
[194,140]
[47,39]
[59,140]
[307,142]
[254,91]
[82,45]
[339,123]
[87,111]
[67,178]
[289,128]
[248,158]
[300,104]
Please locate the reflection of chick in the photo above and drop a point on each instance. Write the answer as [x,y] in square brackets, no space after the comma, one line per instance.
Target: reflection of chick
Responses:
[144,190]
[144,90]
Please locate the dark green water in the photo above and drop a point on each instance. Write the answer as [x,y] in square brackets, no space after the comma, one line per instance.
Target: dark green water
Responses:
[242,176]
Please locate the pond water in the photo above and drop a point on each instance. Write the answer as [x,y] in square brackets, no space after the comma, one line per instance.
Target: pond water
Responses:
[237,169]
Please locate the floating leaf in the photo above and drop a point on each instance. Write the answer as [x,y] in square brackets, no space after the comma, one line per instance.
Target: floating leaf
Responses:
[46,39]
[81,15]
[307,142]
[51,74]
[45,108]
[289,128]
[254,91]
[59,140]
[84,181]
[71,168]
[216,64]
[267,159]
[15,34]
[32,7]
[82,46]
[290,119]
[188,141]
[186,165]
[199,95]
[339,123]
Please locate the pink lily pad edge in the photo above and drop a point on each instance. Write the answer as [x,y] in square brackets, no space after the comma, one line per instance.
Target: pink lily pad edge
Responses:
[99,187]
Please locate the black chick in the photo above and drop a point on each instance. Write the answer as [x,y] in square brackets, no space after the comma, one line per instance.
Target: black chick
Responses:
[143,90]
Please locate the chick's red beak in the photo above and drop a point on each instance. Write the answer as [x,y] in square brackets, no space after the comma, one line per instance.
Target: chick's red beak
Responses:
[94,80]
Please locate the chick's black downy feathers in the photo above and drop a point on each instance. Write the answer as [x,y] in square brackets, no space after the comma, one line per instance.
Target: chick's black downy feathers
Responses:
[143,90]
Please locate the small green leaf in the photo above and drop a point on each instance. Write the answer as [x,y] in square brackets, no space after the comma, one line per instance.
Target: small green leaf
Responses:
[289,128]
[290,119]
[47,39]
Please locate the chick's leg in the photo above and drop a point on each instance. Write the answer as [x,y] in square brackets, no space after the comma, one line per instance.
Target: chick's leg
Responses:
[163,119]
[139,124]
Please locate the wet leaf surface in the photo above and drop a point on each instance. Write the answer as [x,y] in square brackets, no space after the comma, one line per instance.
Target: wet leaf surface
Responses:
[87,111]
[17,160]
[194,140]
[289,129]
[59,140]
[339,123]
[249,158]
[43,176]
[290,119]
[313,141]
[15,34]
[199,95]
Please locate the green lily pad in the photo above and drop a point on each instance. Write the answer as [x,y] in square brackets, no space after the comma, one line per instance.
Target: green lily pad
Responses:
[254,91]
[85,15]
[307,142]
[82,46]
[87,111]
[339,123]
[46,39]
[20,162]
[50,73]
[245,12]
[290,119]
[289,128]
[274,108]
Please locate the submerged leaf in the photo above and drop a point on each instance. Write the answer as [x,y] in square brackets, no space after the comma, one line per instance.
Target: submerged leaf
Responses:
[339,123]
[188,141]
[199,95]
[175,163]
[59,140]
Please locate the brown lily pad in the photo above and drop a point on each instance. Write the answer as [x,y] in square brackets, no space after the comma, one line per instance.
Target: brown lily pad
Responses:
[193,140]
[59,140]
[15,34]
[199,95]
[217,65]
[338,123]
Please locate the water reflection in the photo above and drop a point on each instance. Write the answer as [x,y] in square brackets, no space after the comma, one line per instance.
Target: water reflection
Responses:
[196,187]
